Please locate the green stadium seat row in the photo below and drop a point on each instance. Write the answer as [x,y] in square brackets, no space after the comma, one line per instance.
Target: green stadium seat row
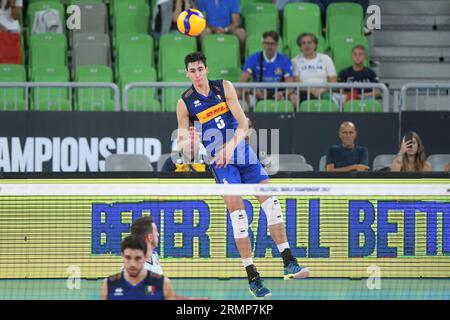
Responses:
[140,99]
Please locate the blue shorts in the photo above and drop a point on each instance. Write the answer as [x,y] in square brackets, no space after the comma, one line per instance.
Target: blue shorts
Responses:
[244,167]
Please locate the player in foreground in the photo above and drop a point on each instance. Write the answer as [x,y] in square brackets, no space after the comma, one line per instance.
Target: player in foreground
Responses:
[135,282]
[224,127]
[145,228]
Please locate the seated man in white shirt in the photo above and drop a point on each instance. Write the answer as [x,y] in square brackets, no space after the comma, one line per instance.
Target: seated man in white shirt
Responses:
[9,15]
[312,67]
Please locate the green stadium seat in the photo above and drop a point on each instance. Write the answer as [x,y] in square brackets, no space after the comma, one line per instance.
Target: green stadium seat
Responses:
[12,99]
[175,74]
[170,96]
[274,106]
[342,51]
[258,23]
[254,43]
[294,49]
[230,74]
[344,9]
[139,99]
[47,49]
[134,50]
[91,99]
[222,50]
[50,99]
[344,19]
[172,50]
[260,17]
[130,18]
[323,105]
[369,105]
[113,3]
[42,5]
[300,18]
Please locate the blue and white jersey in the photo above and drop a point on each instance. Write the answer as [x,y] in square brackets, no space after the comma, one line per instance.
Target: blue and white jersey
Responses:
[218,127]
[217,122]
[151,288]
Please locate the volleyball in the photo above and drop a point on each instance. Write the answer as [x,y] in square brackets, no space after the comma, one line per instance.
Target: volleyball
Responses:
[191,22]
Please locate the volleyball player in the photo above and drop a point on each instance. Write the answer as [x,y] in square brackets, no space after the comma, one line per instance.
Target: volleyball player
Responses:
[145,228]
[215,105]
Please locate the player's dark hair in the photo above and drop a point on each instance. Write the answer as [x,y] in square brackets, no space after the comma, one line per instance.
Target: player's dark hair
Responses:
[307,34]
[273,34]
[132,242]
[359,46]
[194,57]
[142,227]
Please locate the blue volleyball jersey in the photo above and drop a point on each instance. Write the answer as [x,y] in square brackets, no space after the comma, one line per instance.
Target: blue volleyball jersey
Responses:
[218,125]
[213,114]
[151,288]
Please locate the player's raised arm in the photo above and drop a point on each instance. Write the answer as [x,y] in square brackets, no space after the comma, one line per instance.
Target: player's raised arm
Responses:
[183,124]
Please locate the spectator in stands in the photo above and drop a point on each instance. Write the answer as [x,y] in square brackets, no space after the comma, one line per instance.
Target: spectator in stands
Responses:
[447,167]
[312,67]
[222,17]
[268,65]
[358,73]
[187,158]
[411,157]
[10,11]
[347,157]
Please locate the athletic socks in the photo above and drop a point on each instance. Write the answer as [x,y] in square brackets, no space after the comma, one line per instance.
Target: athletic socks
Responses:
[251,272]
[287,257]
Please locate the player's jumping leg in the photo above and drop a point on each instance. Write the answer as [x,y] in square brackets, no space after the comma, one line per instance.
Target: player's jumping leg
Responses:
[277,229]
[239,221]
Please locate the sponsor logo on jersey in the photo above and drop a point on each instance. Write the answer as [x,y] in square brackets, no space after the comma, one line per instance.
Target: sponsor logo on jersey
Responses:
[212,112]
[197,103]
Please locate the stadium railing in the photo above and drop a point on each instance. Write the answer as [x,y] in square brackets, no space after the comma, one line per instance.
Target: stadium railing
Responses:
[333,94]
[54,85]
[422,93]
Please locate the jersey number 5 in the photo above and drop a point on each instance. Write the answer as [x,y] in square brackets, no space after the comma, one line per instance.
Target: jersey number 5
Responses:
[219,122]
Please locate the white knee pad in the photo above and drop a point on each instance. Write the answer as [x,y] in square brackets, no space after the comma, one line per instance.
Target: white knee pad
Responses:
[239,220]
[273,212]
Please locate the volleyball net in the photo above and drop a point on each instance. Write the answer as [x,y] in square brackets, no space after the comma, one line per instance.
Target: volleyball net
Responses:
[60,237]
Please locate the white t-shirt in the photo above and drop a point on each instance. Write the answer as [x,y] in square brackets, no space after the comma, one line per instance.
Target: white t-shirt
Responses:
[5,16]
[315,70]
[154,265]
